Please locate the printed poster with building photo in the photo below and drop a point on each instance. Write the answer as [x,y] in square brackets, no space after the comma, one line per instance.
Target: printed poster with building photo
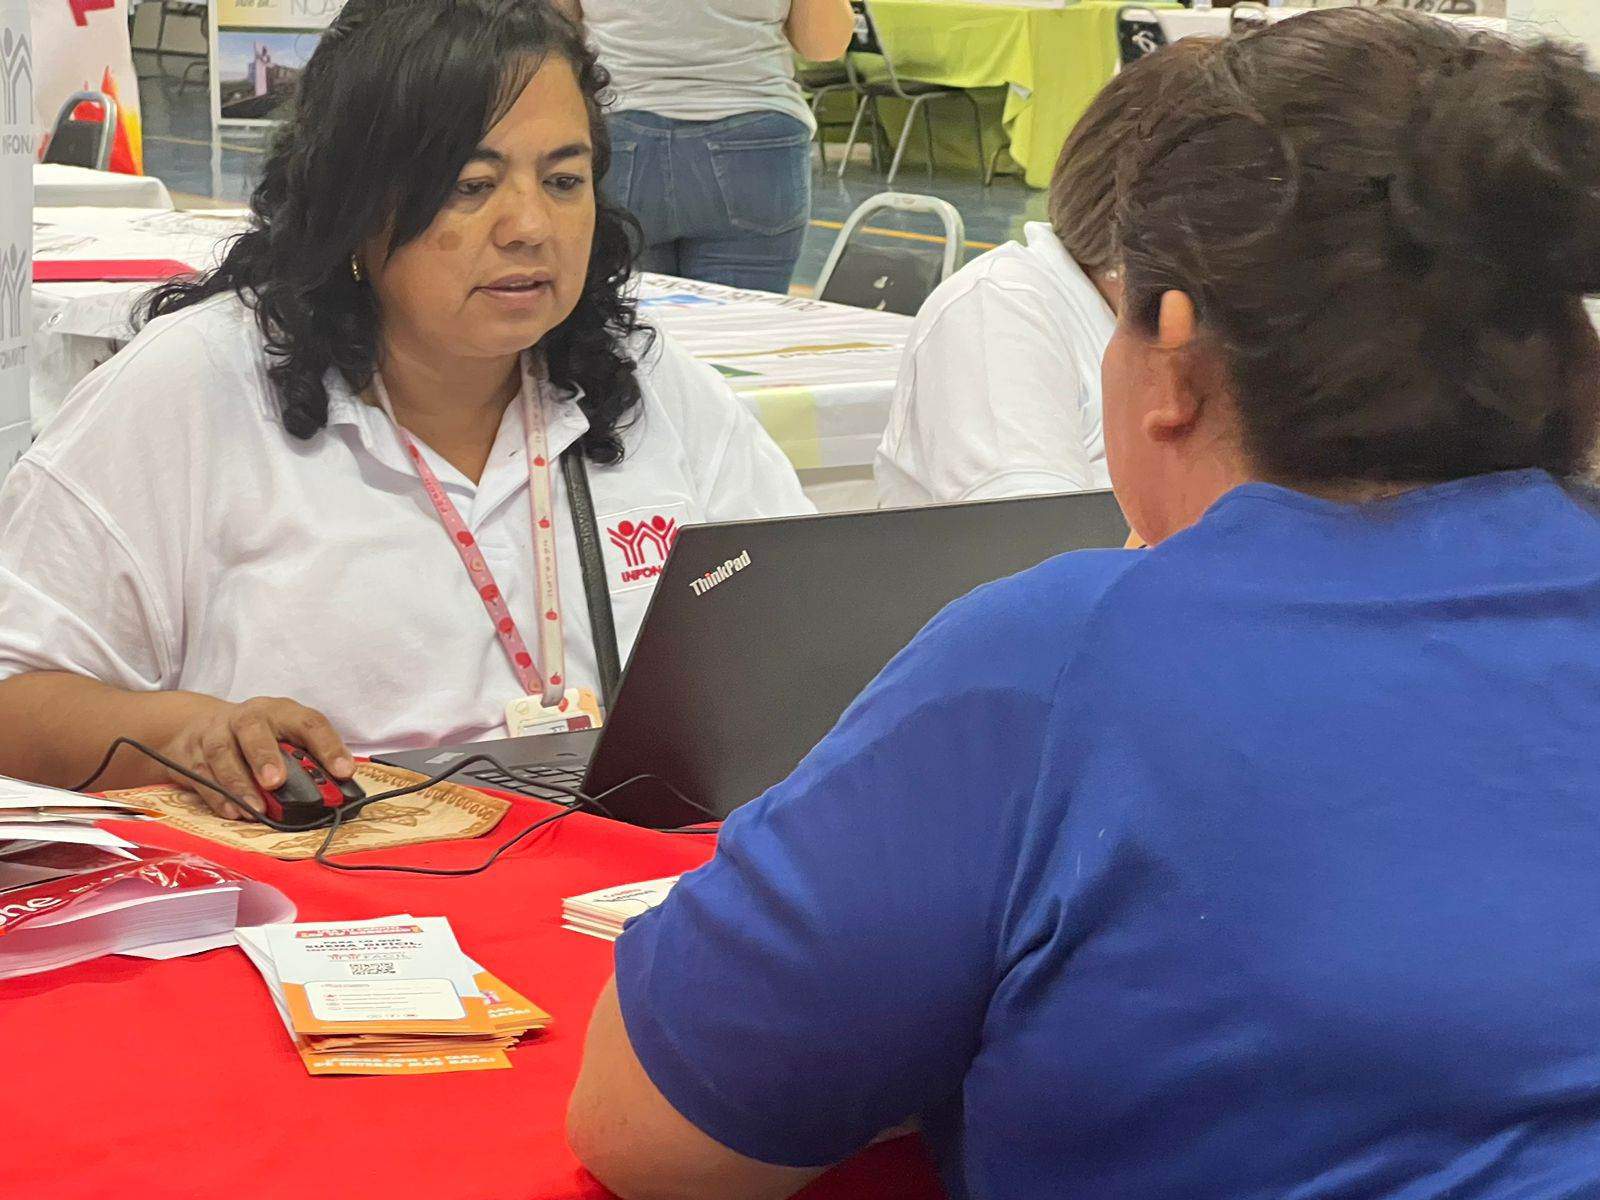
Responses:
[258,50]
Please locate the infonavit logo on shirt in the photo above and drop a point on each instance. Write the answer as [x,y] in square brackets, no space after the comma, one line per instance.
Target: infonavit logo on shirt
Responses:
[645,545]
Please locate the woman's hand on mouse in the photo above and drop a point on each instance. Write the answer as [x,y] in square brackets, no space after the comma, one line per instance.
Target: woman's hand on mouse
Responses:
[231,743]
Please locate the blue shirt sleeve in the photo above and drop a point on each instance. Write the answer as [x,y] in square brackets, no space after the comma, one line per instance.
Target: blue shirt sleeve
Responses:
[826,975]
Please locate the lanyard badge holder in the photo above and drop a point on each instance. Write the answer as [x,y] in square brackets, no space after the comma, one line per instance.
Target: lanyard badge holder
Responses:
[579,709]
[548,705]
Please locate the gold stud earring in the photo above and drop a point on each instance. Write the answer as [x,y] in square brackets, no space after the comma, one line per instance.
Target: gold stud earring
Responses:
[355,269]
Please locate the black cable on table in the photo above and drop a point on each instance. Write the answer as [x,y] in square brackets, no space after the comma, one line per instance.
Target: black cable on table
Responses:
[338,816]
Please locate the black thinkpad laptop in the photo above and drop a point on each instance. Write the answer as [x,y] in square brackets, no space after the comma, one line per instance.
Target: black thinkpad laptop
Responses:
[761,633]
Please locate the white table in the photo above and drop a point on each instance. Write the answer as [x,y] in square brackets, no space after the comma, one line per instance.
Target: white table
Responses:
[57,186]
[818,376]
[1213,22]
[77,326]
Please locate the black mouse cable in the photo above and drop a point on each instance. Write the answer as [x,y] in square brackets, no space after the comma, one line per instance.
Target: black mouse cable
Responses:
[338,816]
[578,805]
[255,813]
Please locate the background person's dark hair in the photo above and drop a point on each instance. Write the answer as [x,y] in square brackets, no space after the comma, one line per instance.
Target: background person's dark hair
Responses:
[394,100]
[1387,225]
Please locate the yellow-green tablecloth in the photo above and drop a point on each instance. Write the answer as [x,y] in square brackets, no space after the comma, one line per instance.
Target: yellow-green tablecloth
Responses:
[1050,62]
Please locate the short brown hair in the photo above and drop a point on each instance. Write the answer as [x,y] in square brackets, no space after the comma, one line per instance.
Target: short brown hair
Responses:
[1387,225]
[1083,187]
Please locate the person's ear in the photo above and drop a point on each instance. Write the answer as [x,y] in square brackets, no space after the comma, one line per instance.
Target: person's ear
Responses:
[1177,408]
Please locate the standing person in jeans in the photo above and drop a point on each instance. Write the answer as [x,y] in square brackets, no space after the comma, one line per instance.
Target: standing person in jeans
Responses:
[710,134]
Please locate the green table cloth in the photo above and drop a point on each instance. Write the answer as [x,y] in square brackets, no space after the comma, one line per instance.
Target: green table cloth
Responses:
[1044,64]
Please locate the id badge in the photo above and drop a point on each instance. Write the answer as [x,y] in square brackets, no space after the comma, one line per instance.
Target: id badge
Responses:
[530,716]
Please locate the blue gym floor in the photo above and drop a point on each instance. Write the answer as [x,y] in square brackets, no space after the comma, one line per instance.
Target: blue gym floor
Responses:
[179,149]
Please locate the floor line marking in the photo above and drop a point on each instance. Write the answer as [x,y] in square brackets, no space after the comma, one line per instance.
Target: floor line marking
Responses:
[905,234]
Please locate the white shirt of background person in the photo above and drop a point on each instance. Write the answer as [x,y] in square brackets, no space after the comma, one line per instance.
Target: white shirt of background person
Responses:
[999,388]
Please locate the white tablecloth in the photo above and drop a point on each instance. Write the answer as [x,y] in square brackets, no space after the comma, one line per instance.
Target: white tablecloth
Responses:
[1189,22]
[818,376]
[77,326]
[56,186]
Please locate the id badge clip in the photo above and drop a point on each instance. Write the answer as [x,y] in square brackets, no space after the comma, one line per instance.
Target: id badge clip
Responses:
[579,709]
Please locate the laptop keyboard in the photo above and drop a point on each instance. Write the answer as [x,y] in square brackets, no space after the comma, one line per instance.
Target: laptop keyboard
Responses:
[528,781]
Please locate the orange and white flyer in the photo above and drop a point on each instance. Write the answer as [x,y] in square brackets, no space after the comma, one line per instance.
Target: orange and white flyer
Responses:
[394,996]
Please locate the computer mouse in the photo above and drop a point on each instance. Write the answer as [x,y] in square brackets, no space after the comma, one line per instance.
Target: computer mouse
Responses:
[308,793]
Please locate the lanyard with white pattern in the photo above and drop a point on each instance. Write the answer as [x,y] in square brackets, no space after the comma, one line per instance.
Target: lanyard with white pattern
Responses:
[551,687]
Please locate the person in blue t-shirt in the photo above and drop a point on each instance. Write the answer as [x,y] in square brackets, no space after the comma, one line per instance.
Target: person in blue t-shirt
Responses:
[1264,863]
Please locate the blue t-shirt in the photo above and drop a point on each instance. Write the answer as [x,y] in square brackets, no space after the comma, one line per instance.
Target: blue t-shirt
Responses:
[1263,864]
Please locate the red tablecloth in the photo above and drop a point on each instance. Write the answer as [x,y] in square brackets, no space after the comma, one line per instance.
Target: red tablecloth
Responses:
[138,1079]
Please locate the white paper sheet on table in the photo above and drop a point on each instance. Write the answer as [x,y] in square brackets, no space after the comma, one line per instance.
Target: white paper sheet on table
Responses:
[759,341]
[82,835]
[19,793]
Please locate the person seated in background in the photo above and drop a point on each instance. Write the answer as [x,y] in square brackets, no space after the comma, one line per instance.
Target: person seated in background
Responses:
[999,387]
[1260,863]
[333,470]
[710,132]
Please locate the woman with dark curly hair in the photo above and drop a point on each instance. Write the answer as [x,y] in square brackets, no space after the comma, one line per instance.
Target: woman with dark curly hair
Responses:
[342,467]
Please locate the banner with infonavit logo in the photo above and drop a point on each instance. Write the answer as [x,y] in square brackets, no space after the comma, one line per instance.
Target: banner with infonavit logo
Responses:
[17,148]
[83,46]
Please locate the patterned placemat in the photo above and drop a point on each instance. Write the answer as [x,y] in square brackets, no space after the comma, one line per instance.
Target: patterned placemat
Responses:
[442,813]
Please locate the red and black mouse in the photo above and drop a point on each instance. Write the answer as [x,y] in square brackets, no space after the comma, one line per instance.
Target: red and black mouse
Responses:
[308,794]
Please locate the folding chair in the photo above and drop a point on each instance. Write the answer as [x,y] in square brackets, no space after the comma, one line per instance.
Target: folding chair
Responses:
[891,278]
[85,132]
[819,81]
[199,10]
[1139,33]
[916,93]
[1245,17]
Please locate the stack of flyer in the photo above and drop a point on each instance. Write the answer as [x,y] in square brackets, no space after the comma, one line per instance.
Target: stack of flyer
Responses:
[71,891]
[394,996]
[30,812]
[602,914]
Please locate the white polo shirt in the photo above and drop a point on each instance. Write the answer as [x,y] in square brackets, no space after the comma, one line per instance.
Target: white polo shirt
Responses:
[999,388]
[167,533]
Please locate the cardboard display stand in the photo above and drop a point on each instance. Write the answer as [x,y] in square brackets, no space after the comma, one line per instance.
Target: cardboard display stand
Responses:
[258,49]
[18,144]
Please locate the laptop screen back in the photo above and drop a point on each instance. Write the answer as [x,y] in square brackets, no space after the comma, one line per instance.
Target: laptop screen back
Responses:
[761,633]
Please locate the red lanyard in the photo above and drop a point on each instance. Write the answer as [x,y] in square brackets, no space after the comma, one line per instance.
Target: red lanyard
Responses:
[551,687]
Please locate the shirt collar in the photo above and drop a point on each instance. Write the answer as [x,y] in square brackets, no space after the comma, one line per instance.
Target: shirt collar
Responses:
[565,421]
[1042,241]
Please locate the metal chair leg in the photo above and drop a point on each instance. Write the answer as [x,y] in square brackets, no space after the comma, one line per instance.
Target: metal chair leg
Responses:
[186,82]
[880,137]
[817,137]
[977,129]
[993,168]
[161,41]
[927,128]
[855,132]
[905,137]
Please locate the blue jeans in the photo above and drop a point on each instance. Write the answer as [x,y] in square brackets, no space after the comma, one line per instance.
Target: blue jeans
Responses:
[724,201]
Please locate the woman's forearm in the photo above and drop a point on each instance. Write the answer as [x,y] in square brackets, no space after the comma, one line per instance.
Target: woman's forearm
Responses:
[820,29]
[55,727]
